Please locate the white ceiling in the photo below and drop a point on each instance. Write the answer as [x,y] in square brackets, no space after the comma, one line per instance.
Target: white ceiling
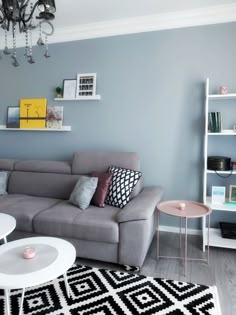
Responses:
[83,19]
[77,12]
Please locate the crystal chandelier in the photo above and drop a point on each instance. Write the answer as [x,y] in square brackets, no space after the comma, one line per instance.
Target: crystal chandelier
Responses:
[22,14]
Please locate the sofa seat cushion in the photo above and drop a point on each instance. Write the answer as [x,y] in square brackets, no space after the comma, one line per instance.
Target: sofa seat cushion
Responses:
[24,208]
[93,224]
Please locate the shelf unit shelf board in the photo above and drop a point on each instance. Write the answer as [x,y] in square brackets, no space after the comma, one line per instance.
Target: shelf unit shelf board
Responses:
[220,207]
[64,128]
[216,240]
[222,96]
[225,132]
[221,172]
[81,98]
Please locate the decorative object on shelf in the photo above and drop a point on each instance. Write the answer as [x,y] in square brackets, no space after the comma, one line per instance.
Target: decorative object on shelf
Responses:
[223,89]
[33,113]
[218,195]
[219,163]
[58,92]
[86,85]
[228,230]
[69,88]
[13,117]
[54,117]
[23,14]
[214,122]
[232,193]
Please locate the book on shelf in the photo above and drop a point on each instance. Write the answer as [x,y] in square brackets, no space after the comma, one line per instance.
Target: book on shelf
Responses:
[233,166]
[214,121]
[230,204]
[218,195]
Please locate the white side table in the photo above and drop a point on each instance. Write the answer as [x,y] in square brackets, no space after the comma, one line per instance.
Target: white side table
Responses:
[54,256]
[7,225]
[189,210]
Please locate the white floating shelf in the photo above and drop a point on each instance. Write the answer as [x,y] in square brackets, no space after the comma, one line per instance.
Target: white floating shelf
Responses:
[226,132]
[81,98]
[222,96]
[220,207]
[64,128]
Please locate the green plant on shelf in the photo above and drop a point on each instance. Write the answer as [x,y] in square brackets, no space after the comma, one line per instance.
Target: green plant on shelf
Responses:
[58,92]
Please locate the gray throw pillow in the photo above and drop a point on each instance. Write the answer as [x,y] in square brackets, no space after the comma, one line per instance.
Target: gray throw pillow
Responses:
[3,182]
[83,191]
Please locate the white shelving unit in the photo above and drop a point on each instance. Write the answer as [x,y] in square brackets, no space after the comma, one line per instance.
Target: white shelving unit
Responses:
[64,128]
[216,239]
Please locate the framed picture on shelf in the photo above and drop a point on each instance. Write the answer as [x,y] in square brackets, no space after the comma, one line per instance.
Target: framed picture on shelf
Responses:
[218,195]
[13,117]
[69,88]
[232,193]
[54,117]
[86,85]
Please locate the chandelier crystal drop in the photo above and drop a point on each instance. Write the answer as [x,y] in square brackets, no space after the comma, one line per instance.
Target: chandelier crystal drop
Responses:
[25,16]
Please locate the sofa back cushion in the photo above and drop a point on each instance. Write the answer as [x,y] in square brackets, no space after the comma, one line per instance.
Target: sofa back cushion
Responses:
[7,164]
[84,163]
[59,167]
[48,185]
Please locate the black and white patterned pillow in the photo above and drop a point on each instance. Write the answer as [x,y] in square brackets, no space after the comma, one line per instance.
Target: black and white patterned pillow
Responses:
[121,186]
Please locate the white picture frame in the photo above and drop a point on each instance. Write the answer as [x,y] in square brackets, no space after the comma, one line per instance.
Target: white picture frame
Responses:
[218,195]
[232,193]
[86,85]
[69,88]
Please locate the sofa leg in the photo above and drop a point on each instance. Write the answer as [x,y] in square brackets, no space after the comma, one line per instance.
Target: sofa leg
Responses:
[132,268]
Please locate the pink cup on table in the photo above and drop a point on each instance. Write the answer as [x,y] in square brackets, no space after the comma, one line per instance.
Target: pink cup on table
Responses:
[29,252]
[182,206]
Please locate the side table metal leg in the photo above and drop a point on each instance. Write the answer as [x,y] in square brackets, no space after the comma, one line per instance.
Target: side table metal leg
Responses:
[66,285]
[7,297]
[5,240]
[22,301]
[208,240]
[203,233]
[180,236]
[158,234]
[186,247]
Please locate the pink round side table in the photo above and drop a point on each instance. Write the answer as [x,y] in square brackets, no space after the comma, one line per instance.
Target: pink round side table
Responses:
[183,209]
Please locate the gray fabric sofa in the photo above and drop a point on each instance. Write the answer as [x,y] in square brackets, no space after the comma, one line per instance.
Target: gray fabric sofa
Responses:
[38,193]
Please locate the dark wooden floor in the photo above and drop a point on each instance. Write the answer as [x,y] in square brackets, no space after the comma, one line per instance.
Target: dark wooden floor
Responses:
[220,272]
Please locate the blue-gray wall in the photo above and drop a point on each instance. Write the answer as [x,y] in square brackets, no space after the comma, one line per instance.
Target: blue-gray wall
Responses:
[152,89]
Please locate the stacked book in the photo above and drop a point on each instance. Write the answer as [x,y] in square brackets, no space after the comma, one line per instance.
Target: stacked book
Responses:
[214,122]
[233,165]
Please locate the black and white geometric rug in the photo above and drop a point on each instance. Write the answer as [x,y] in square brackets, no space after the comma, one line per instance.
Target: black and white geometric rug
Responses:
[105,292]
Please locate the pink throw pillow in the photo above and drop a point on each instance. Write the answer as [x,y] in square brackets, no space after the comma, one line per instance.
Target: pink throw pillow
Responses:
[104,180]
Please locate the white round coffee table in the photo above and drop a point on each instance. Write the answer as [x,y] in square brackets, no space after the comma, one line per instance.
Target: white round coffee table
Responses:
[54,256]
[7,225]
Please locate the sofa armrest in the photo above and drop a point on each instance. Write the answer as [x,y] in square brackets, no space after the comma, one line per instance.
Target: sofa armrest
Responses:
[142,206]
